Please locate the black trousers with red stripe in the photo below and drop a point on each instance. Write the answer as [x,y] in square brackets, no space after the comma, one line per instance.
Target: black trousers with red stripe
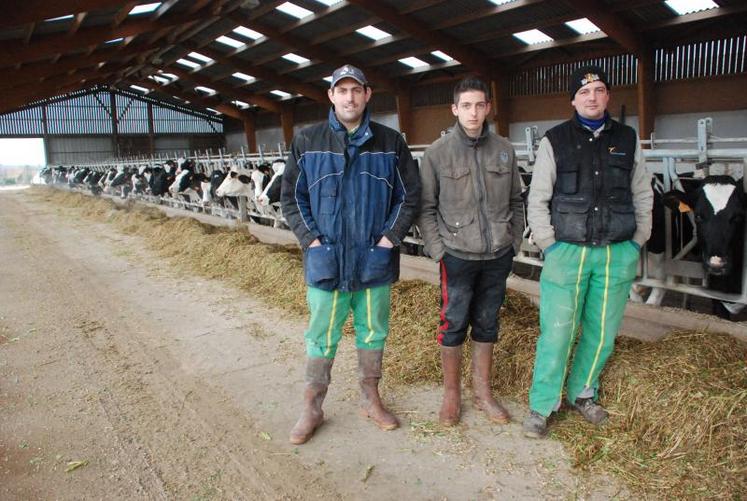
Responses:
[472,293]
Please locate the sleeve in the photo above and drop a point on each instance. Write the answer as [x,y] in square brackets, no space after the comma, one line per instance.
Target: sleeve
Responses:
[540,194]
[294,197]
[517,206]
[405,196]
[643,198]
[428,220]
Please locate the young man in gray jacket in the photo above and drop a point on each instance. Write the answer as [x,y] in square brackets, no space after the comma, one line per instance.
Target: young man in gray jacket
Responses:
[472,222]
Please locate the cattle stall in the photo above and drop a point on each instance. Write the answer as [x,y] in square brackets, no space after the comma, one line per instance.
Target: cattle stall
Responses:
[669,159]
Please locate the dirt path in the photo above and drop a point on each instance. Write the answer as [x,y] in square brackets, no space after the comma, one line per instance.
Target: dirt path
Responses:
[174,387]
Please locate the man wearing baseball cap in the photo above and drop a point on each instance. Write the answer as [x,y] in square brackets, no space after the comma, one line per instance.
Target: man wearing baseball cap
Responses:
[589,209]
[350,193]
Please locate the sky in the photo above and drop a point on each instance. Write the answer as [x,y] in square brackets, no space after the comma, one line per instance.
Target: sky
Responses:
[22,151]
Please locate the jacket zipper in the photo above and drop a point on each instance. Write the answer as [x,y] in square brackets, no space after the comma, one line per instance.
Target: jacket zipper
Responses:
[482,196]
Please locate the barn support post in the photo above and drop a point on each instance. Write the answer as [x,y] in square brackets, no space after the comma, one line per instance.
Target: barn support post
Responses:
[500,106]
[645,92]
[45,128]
[151,130]
[286,122]
[115,128]
[250,132]
[404,112]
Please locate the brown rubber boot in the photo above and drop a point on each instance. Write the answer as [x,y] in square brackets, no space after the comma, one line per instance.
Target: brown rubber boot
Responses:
[451,361]
[369,370]
[482,362]
[318,375]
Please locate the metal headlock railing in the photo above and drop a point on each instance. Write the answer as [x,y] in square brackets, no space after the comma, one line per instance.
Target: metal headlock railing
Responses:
[698,156]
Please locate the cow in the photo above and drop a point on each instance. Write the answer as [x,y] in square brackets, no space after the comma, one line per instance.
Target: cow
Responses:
[268,202]
[188,183]
[719,204]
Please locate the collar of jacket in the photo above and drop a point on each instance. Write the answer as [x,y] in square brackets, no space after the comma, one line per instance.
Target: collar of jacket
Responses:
[472,141]
[577,122]
[361,135]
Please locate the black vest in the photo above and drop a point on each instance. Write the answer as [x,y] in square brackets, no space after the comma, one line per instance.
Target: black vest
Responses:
[592,202]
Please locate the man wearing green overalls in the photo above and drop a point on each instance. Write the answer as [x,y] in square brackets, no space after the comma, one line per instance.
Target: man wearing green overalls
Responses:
[589,209]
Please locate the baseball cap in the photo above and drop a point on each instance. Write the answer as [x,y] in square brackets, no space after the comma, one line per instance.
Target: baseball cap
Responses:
[348,71]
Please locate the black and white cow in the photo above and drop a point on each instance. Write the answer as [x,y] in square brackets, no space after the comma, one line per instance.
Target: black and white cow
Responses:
[268,201]
[718,204]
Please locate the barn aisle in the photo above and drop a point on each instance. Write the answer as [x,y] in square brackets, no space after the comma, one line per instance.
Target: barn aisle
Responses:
[166,386]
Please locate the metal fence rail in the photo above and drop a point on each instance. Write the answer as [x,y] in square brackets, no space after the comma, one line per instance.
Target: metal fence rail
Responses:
[707,155]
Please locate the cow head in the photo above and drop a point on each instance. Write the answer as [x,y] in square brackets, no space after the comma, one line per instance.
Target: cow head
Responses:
[719,208]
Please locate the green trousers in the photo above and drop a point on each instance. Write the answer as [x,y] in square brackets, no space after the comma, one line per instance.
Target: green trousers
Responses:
[330,309]
[579,285]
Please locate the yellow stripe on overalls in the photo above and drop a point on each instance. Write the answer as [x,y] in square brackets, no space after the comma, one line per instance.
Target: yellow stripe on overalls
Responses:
[331,323]
[604,316]
[368,311]
[573,318]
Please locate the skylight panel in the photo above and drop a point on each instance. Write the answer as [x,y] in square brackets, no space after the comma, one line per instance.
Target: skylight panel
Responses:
[159,79]
[280,93]
[243,76]
[138,88]
[413,62]
[168,75]
[214,111]
[295,58]
[293,10]
[61,18]
[582,26]
[231,42]
[187,63]
[442,55]
[144,8]
[248,33]
[683,7]
[206,90]
[532,37]
[240,104]
[329,3]
[327,79]
[373,32]
[500,2]
[115,40]
[200,57]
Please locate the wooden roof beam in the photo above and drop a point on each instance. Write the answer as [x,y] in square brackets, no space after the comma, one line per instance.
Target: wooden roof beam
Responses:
[263,73]
[10,53]
[613,25]
[123,12]
[39,10]
[77,21]
[226,90]
[216,104]
[303,48]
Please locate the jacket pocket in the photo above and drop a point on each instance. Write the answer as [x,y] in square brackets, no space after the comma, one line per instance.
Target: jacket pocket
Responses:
[459,231]
[567,178]
[320,264]
[621,223]
[376,262]
[569,219]
[455,187]
[618,175]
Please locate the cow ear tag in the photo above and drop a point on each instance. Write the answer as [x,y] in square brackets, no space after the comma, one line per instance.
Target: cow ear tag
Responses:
[684,208]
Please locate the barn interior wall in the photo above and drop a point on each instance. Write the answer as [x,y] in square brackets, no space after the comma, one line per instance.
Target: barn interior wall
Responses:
[679,104]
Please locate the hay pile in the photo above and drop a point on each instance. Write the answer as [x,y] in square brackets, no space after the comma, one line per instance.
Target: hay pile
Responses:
[678,406]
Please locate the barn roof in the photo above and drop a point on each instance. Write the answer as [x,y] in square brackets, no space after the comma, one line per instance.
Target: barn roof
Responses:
[246,54]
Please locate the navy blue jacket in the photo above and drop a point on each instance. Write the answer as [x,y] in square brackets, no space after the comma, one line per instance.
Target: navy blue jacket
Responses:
[349,191]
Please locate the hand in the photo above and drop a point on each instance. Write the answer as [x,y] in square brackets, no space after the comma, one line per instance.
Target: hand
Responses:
[385,242]
[315,243]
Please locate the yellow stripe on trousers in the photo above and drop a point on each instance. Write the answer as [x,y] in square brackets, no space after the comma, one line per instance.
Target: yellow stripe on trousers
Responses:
[573,319]
[604,317]
[368,312]
[331,323]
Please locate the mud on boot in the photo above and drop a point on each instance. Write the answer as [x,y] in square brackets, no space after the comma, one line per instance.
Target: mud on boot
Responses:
[590,410]
[318,375]
[482,361]
[535,425]
[369,369]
